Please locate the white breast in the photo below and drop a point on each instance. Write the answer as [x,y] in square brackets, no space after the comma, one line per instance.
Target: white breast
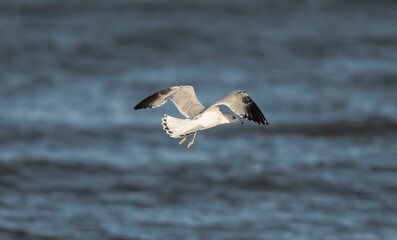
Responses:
[210,119]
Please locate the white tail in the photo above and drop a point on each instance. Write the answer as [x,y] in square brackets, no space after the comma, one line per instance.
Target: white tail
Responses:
[178,128]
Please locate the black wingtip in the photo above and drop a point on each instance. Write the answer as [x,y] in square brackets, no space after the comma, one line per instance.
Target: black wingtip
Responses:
[143,104]
[137,107]
[254,113]
[152,100]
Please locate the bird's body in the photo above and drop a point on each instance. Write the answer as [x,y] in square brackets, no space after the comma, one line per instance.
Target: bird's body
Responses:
[210,119]
[198,117]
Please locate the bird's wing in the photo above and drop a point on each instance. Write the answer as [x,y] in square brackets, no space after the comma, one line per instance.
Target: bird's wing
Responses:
[241,103]
[183,97]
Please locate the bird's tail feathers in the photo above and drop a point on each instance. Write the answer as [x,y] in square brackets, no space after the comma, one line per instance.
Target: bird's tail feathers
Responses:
[179,128]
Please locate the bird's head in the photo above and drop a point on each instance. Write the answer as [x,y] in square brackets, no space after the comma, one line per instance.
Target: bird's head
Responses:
[230,118]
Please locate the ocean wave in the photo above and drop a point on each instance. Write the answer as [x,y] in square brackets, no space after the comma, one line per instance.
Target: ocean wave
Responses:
[47,175]
[370,126]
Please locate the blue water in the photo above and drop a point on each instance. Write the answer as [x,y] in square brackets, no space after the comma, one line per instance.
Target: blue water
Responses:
[76,162]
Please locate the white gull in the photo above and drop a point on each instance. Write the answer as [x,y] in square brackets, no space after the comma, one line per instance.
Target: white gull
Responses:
[198,117]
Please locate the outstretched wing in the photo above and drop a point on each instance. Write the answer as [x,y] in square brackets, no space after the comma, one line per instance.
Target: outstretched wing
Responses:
[241,103]
[183,97]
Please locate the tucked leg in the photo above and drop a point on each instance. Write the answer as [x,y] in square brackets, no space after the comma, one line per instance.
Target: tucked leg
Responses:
[191,143]
[182,141]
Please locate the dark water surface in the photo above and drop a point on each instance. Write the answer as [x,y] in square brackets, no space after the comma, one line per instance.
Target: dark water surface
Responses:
[76,162]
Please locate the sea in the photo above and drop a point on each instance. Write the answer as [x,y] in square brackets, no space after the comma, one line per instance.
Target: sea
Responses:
[77,162]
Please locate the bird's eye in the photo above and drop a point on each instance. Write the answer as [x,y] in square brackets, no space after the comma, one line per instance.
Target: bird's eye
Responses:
[234,117]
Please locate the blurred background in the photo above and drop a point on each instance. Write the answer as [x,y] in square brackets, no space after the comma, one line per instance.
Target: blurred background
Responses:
[76,162]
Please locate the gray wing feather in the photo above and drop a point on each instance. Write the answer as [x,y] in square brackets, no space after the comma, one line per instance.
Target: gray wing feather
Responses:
[241,103]
[183,97]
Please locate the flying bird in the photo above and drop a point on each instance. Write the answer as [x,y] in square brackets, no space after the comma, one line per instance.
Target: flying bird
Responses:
[199,118]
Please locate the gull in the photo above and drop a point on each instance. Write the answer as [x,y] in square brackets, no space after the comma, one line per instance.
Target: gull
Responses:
[199,118]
